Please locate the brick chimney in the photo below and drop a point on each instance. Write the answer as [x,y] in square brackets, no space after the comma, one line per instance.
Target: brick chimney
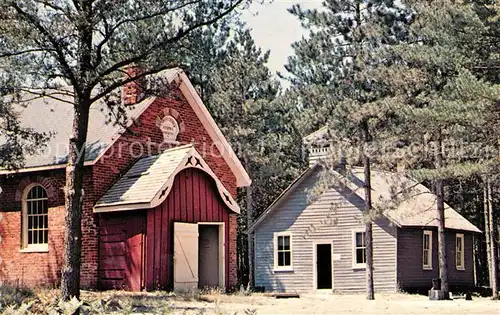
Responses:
[132,92]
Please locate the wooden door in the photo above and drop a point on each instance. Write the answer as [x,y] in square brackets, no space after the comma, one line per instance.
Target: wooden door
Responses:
[185,256]
[324,266]
[121,250]
[135,248]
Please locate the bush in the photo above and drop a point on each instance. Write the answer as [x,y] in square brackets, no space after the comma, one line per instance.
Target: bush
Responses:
[13,296]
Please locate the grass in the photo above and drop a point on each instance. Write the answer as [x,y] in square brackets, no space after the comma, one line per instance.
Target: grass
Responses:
[17,301]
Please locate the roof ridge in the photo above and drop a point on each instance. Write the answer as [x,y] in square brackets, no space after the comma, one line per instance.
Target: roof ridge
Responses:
[184,146]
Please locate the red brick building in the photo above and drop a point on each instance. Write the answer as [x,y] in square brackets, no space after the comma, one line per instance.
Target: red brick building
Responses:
[159,199]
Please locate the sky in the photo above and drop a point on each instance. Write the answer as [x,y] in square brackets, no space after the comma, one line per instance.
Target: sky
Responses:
[275,29]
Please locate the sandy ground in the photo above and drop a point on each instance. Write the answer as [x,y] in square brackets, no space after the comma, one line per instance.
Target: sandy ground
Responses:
[330,304]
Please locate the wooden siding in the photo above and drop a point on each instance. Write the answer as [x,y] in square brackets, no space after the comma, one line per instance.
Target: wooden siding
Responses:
[129,262]
[194,198]
[411,275]
[309,223]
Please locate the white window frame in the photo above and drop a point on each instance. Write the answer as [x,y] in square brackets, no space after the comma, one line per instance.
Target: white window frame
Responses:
[275,250]
[355,264]
[429,265]
[25,247]
[462,253]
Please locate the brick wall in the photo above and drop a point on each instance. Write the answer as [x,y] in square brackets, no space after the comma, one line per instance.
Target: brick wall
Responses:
[24,268]
[142,138]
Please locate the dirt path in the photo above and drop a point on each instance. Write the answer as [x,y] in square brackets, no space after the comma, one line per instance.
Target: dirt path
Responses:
[336,304]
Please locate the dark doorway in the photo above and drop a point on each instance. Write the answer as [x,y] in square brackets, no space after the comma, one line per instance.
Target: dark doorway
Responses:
[324,266]
[208,258]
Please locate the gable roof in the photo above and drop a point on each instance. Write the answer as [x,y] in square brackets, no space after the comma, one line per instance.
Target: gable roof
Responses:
[416,208]
[408,202]
[283,196]
[149,181]
[55,117]
[50,115]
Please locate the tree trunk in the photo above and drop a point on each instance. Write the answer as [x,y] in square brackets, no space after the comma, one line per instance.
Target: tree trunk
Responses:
[249,203]
[70,278]
[493,243]
[487,234]
[370,292]
[70,281]
[443,261]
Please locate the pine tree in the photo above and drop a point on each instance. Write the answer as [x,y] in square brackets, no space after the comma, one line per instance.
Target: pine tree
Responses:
[245,103]
[432,85]
[330,81]
[87,45]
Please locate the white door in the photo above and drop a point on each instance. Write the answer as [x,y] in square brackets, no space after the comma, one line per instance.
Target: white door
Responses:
[185,256]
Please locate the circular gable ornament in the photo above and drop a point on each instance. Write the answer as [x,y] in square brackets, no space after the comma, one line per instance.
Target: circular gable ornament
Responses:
[170,129]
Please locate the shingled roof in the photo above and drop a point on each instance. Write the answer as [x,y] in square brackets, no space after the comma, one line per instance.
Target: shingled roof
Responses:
[407,202]
[55,116]
[149,181]
[415,208]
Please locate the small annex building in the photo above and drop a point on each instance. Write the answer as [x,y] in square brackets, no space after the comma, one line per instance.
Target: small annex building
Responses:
[159,205]
[304,244]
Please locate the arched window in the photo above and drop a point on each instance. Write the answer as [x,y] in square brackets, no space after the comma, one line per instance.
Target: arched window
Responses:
[35,218]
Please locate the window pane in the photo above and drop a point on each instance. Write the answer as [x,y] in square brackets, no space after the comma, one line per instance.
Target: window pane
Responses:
[286,241]
[40,237]
[360,256]
[45,208]
[426,257]
[31,194]
[37,216]
[288,258]
[360,239]
[281,259]
[280,242]
[426,241]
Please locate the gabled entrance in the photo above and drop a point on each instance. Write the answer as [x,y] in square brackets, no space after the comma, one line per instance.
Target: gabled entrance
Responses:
[323,266]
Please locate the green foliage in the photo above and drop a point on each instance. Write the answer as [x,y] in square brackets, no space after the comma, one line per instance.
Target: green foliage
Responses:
[446,93]
[13,296]
[48,45]
[259,126]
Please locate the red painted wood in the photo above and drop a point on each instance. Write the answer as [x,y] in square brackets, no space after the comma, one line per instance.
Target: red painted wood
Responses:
[193,198]
[112,274]
[203,199]
[112,248]
[150,236]
[189,195]
[112,237]
[164,243]
[196,196]
[121,250]
[134,253]
[157,246]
